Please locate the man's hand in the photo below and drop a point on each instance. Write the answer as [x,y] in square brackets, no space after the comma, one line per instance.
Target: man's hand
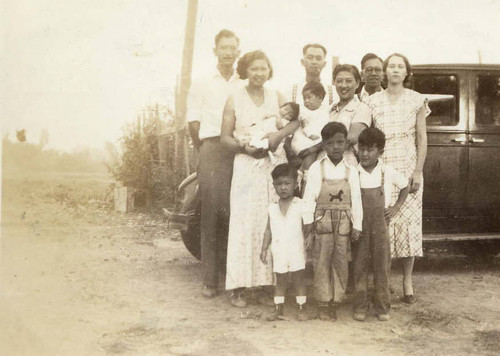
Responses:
[308,151]
[263,256]
[355,235]
[309,241]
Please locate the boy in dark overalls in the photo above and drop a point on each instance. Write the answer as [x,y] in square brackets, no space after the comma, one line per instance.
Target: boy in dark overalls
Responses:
[373,248]
[333,193]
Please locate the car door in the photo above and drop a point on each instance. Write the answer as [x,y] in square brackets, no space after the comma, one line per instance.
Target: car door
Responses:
[446,166]
[483,192]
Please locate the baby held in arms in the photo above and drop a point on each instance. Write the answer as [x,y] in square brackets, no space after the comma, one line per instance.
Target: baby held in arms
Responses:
[256,133]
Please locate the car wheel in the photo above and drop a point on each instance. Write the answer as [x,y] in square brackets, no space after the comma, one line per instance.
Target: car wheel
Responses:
[191,236]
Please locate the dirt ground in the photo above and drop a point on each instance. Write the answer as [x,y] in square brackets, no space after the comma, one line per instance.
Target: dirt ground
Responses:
[77,279]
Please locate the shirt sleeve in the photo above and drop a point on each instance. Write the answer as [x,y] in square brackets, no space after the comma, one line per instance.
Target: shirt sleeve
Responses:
[356,204]
[307,214]
[398,179]
[363,115]
[194,107]
[313,186]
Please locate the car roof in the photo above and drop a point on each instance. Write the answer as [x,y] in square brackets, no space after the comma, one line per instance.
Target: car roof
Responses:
[457,66]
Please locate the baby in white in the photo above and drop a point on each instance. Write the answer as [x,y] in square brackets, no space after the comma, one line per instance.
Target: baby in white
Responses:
[312,120]
[255,135]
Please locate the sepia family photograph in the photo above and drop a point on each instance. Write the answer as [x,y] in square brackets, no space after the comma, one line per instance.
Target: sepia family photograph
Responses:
[250,177]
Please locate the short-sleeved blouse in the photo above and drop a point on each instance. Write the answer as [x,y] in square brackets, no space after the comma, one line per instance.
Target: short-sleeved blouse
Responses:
[398,120]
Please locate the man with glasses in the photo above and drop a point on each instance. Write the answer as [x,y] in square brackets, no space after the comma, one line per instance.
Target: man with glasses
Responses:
[372,75]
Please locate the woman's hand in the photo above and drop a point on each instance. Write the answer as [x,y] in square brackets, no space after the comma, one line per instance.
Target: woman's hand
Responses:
[274,139]
[255,152]
[415,181]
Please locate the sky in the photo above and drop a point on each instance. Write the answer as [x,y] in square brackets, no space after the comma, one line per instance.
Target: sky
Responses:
[82,69]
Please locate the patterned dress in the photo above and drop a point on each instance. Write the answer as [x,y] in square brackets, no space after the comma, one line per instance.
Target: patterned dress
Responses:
[252,192]
[398,122]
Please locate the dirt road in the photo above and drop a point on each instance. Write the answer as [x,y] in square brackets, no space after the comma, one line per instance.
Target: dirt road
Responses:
[80,280]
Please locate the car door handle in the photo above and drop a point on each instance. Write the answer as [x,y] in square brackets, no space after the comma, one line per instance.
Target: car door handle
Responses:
[461,139]
[477,140]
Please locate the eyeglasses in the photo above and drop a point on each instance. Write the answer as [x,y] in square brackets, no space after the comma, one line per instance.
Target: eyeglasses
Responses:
[371,70]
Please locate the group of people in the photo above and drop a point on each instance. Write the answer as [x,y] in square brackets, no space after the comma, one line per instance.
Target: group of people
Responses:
[326,168]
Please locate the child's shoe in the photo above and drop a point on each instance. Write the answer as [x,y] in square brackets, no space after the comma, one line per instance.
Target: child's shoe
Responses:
[301,313]
[324,313]
[333,311]
[276,314]
[359,316]
[383,317]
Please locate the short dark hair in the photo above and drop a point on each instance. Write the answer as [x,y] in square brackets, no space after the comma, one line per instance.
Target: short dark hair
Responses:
[407,65]
[313,45]
[295,109]
[316,88]
[225,33]
[347,68]
[333,128]
[369,56]
[284,170]
[247,59]
[372,137]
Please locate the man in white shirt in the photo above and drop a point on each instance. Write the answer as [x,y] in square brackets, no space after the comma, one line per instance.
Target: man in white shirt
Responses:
[206,103]
[372,75]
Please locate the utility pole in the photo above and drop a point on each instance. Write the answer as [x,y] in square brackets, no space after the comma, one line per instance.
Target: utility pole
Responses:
[181,154]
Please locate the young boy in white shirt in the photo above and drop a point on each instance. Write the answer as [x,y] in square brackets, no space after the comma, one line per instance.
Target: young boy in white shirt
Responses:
[373,249]
[289,222]
[332,192]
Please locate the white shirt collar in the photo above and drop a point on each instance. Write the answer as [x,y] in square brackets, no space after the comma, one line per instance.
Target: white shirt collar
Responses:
[378,166]
[234,76]
[336,165]
[351,105]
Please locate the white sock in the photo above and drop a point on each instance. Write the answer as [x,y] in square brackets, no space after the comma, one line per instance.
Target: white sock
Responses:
[279,300]
[301,299]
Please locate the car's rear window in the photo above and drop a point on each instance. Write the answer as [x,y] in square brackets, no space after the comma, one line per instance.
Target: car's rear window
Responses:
[442,92]
[488,100]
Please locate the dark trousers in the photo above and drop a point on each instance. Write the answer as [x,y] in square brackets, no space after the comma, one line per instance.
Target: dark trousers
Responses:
[372,250]
[215,170]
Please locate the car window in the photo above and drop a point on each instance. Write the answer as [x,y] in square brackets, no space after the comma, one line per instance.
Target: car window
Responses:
[442,92]
[488,100]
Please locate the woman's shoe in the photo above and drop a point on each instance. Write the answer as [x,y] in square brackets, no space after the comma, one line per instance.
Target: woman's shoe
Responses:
[409,299]
[238,300]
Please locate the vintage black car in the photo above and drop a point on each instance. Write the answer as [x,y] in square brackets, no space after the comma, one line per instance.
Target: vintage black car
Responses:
[462,169]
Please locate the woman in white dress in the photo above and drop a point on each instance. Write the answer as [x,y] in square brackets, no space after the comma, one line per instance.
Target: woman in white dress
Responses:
[251,187]
[400,113]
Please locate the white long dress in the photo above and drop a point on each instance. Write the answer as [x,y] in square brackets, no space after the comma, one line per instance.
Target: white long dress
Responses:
[251,193]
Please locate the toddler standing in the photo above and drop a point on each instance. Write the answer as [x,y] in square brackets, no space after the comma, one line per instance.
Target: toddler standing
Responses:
[289,221]
[373,249]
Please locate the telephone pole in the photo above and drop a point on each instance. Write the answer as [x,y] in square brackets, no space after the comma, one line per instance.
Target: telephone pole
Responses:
[181,154]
